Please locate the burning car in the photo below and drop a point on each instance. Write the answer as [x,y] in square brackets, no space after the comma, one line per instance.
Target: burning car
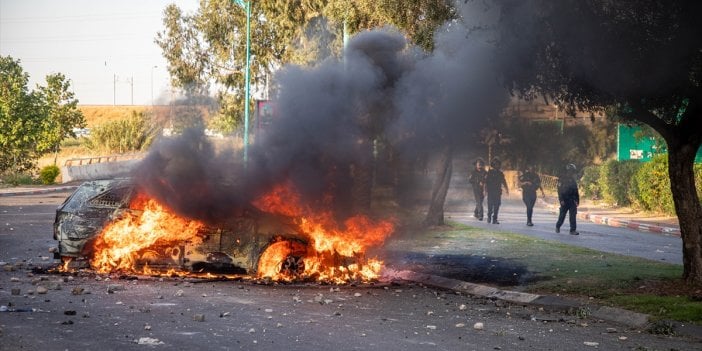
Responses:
[110,225]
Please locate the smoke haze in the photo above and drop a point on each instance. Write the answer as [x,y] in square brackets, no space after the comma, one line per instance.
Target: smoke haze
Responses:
[329,116]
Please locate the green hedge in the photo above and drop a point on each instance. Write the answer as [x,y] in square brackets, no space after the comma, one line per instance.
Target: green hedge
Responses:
[630,183]
[616,179]
[48,174]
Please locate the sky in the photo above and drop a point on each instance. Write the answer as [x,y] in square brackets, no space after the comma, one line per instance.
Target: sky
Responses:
[106,48]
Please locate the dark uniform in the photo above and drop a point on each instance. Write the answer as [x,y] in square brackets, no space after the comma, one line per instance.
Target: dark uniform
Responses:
[477,182]
[494,181]
[530,182]
[569,198]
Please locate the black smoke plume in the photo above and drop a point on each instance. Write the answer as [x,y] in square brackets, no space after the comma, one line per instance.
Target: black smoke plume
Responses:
[328,119]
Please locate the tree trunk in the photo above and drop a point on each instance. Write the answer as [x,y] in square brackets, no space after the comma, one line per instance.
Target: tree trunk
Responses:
[435,215]
[681,160]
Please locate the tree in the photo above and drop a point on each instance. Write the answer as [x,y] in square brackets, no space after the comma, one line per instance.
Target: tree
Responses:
[208,46]
[33,123]
[643,57]
[61,110]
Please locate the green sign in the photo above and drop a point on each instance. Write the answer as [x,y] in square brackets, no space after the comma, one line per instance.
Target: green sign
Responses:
[631,145]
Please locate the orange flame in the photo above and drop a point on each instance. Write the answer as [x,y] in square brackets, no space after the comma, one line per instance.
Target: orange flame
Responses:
[123,241]
[335,254]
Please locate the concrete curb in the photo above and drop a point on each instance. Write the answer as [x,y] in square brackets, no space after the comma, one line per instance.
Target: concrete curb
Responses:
[615,222]
[618,222]
[29,191]
[552,303]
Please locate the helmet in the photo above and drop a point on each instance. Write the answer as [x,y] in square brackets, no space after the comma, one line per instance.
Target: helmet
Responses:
[495,162]
[479,160]
[571,167]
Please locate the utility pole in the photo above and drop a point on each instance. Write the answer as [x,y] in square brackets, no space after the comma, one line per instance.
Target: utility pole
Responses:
[152,84]
[247,6]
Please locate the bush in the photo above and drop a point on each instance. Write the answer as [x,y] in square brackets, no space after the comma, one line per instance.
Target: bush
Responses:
[590,184]
[132,134]
[16,179]
[653,186]
[616,179]
[48,174]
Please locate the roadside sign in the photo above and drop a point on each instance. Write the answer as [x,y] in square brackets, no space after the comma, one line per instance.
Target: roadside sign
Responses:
[631,145]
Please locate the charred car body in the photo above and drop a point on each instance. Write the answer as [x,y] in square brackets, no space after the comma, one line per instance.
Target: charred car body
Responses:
[234,246]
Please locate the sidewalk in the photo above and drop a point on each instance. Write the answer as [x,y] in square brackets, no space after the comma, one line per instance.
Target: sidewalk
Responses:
[35,189]
[622,217]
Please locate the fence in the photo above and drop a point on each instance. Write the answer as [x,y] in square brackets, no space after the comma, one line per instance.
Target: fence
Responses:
[549,183]
[101,159]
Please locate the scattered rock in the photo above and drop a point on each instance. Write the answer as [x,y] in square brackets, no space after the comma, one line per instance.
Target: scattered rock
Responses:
[69,312]
[611,330]
[358,294]
[15,291]
[462,307]
[178,293]
[77,291]
[42,290]
[432,327]
[148,341]
[114,287]
[221,315]
[460,325]
[252,330]
[591,343]
[14,279]
[478,326]
[199,317]
[147,327]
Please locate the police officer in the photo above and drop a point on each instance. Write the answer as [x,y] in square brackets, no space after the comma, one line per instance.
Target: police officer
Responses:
[477,182]
[569,199]
[530,182]
[494,181]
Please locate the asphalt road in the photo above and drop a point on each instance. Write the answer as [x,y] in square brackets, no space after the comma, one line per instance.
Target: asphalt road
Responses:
[88,312]
[512,217]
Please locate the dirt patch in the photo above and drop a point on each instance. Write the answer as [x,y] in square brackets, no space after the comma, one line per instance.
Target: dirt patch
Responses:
[677,287]
[495,271]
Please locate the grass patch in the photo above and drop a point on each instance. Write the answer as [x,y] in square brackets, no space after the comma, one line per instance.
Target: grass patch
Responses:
[679,308]
[559,269]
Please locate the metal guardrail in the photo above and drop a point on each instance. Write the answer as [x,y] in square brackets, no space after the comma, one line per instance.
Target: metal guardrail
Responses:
[101,159]
[549,182]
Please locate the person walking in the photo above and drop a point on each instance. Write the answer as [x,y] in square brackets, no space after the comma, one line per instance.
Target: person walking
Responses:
[477,182]
[529,181]
[569,199]
[494,181]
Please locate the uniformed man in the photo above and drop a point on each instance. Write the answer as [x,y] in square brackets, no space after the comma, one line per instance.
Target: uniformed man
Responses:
[530,182]
[494,182]
[477,182]
[569,199]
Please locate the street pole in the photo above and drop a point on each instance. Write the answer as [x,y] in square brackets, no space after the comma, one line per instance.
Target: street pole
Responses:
[247,6]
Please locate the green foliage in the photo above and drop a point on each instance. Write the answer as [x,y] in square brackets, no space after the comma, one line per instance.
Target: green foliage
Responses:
[33,123]
[653,186]
[616,180]
[132,134]
[209,45]
[48,174]
[590,182]
[19,178]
